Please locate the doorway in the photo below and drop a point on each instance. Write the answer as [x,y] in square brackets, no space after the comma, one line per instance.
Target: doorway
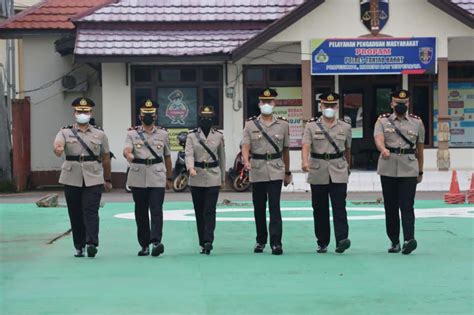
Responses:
[363,99]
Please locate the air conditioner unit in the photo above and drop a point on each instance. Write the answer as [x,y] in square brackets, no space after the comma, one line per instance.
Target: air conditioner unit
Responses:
[76,82]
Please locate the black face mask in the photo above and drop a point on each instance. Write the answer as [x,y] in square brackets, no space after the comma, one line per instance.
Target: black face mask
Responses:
[401,108]
[148,119]
[205,123]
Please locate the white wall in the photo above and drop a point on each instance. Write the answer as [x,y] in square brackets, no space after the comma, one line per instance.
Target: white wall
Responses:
[116,98]
[50,107]
[461,48]
[341,18]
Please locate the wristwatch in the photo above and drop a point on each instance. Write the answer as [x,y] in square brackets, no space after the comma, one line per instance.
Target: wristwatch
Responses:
[169,178]
[288,173]
[108,180]
[420,173]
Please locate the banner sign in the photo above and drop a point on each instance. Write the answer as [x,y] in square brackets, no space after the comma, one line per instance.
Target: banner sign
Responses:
[416,55]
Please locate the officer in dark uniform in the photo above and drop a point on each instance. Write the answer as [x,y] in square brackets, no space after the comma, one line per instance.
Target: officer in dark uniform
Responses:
[147,149]
[326,154]
[400,138]
[267,137]
[205,160]
[86,170]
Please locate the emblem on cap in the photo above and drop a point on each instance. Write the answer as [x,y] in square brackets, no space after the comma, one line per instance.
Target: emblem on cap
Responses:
[206,110]
[267,93]
[402,94]
[330,97]
[83,102]
[148,103]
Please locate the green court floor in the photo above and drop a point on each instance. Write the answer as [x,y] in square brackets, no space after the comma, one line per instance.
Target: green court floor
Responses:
[37,278]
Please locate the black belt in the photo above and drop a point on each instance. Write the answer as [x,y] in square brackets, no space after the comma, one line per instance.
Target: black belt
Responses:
[206,164]
[147,161]
[268,156]
[81,158]
[327,156]
[402,151]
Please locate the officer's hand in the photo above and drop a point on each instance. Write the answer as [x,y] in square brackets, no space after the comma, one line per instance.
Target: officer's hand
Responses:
[58,150]
[108,186]
[419,179]
[288,180]
[192,172]
[385,154]
[130,157]
[169,184]
[247,166]
[305,167]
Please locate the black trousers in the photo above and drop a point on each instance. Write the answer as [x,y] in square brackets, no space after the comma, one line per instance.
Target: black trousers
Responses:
[204,201]
[151,199]
[83,207]
[320,202]
[261,191]
[399,194]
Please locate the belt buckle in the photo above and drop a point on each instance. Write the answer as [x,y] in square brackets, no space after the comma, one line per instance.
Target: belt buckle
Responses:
[268,156]
[326,156]
[401,151]
[206,165]
[81,158]
[149,161]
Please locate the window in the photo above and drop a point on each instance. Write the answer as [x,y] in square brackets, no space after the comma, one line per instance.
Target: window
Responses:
[179,91]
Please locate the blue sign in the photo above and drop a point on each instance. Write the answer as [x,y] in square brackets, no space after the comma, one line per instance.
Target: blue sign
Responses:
[416,55]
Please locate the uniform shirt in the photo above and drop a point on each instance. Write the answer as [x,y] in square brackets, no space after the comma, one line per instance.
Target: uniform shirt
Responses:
[399,165]
[278,130]
[142,175]
[320,171]
[89,173]
[195,152]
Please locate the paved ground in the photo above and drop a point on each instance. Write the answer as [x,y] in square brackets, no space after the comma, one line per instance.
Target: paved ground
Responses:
[37,278]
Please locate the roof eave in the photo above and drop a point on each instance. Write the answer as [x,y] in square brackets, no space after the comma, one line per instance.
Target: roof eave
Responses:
[455,11]
[151,58]
[20,33]
[275,28]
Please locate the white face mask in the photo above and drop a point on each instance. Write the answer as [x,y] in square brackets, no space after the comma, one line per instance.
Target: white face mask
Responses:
[329,112]
[266,109]
[82,118]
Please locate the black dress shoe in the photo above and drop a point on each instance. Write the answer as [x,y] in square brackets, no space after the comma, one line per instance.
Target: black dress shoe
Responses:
[343,245]
[277,250]
[322,249]
[207,248]
[91,251]
[258,248]
[395,248]
[157,249]
[409,246]
[79,253]
[144,251]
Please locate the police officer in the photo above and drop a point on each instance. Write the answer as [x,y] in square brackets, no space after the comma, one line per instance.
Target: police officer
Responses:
[86,169]
[147,150]
[400,138]
[326,155]
[205,160]
[267,137]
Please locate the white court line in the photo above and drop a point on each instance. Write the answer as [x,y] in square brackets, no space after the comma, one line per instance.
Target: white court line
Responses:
[188,214]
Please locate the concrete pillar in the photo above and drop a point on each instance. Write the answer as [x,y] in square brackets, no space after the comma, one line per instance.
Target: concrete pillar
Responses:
[443,158]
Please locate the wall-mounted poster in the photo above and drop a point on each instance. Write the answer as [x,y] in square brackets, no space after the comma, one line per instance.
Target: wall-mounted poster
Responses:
[289,104]
[173,136]
[461,110]
[178,107]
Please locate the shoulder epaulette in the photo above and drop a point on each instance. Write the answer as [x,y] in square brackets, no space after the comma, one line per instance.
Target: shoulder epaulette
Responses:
[162,128]
[347,122]
[97,127]
[414,116]
[67,127]
[312,119]
[282,118]
[386,115]
[133,128]
[252,118]
[216,130]
[192,130]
